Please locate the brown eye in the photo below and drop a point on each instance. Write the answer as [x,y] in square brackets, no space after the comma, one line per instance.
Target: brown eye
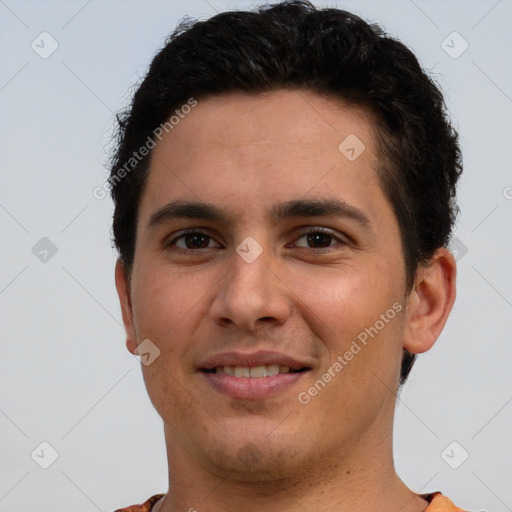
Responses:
[192,240]
[195,241]
[320,238]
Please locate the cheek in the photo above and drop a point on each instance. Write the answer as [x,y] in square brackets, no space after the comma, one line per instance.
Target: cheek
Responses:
[358,312]
[169,306]
[164,306]
[346,299]
[161,300]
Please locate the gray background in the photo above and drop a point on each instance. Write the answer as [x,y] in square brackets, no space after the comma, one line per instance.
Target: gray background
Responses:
[66,377]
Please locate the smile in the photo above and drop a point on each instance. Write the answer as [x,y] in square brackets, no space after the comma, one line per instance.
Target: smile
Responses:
[254,372]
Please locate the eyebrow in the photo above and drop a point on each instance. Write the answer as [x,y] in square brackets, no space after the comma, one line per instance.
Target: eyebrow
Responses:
[296,208]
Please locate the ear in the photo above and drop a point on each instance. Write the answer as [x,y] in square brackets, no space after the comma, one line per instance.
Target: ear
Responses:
[430,302]
[123,291]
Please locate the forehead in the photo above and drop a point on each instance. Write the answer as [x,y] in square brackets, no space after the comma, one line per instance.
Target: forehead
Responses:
[254,149]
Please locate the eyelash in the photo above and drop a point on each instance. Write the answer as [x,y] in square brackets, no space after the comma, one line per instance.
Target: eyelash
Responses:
[309,231]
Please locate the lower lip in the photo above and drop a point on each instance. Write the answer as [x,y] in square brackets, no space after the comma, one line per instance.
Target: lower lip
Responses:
[245,388]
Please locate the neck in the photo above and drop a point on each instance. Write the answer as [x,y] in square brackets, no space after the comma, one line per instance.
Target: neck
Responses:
[337,483]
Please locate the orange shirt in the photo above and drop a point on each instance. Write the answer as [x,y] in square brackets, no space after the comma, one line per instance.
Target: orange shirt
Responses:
[145,507]
[438,503]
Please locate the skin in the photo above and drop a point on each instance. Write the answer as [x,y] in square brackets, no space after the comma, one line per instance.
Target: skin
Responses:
[246,153]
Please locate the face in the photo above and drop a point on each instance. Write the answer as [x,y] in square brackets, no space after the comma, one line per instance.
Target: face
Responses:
[293,264]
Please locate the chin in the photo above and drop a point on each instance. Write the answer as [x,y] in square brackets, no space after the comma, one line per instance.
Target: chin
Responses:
[255,459]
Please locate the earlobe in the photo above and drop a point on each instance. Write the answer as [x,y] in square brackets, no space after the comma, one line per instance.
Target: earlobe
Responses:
[123,291]
[430,302]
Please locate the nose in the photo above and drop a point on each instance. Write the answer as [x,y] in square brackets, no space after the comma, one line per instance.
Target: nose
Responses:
[251,295]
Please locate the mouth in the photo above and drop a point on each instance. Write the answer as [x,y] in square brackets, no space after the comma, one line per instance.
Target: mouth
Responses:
[253,376]
[254,372]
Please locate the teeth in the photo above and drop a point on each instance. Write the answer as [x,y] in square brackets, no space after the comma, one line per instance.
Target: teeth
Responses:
[255,372]
[241,371]
[272,369]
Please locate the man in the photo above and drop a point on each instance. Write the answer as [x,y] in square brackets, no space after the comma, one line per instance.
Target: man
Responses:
[284,195]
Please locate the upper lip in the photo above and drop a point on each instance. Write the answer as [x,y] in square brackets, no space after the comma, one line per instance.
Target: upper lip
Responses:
[250,359]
